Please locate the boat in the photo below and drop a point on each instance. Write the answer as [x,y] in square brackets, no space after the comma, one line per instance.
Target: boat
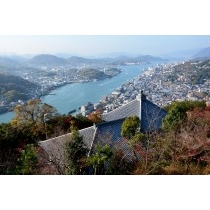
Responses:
[70,112]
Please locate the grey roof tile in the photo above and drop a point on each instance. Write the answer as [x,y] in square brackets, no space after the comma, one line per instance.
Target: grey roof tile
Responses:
[109,132]
[130,109]
[151,116]
[55,147]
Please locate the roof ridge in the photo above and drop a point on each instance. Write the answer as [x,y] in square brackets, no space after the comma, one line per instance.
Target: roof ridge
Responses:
[54,138]
[120,107]
[93,126]
[67,134]
[109,122]
[94,135]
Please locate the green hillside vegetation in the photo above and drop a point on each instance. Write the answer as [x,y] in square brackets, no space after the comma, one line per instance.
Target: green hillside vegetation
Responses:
[91,73]
[33,122]
[199,72]
[182,147]
[202,76]
[14,88]
[112,71]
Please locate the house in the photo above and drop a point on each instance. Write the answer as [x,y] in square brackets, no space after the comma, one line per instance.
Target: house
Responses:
[87,109]
[109,132]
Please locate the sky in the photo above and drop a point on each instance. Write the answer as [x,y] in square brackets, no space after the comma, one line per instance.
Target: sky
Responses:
[93,27]
[93,45]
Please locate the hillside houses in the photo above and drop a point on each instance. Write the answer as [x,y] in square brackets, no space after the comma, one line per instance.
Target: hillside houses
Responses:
[163,84]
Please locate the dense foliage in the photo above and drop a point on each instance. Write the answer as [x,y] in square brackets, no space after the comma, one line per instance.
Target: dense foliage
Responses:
[28,160]
[182,147]
[177,113]
[99,158]
[130,126]
[32,123]
[75,154]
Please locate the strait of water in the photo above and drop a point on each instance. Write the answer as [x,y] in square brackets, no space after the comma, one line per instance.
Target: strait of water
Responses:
[73,96]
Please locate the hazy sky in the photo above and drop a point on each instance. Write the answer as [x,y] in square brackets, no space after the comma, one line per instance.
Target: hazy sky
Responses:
[88,45]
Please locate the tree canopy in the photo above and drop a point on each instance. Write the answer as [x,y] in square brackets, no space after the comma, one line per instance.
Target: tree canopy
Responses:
[76,152]
[177,113]
[130,126]
[31,118]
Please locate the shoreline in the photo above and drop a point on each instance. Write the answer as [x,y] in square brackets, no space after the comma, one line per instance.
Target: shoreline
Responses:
[123,69]
[8,108]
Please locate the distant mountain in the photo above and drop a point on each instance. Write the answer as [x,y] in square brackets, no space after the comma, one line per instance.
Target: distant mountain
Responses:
[18,58]
[52,60]
[4,61]
[181,55]
[46,60]
[113,55]
[74,60]
[149,58]
[63,55]
[203,54]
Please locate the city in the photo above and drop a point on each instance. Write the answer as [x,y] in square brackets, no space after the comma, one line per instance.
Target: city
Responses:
[157,84]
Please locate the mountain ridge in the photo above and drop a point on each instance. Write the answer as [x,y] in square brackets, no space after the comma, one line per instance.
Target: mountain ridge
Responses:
[46,59]
[202,54]
[50,60]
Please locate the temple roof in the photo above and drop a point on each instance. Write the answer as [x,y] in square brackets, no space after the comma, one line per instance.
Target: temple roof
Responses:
[149,113]
[130,109]
[150,116]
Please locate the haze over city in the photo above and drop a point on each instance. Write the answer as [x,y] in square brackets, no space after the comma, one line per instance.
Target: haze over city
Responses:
[101,45]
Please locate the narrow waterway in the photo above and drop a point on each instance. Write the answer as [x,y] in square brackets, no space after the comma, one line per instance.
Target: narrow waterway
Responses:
[72,96]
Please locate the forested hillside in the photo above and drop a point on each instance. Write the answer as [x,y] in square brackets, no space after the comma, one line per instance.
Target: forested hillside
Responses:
[198,71]
[14,88]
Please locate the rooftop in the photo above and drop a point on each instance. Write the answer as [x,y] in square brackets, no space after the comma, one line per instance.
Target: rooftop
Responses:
[109,132]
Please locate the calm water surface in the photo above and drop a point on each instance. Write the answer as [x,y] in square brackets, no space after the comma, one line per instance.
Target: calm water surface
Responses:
[72,96]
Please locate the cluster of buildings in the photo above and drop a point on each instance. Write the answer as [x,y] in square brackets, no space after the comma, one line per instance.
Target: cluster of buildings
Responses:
[49,78]
[159,85]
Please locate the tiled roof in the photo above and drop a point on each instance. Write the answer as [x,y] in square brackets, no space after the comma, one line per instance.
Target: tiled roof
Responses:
[151,116]
[88,135]
[109,132]
[130,109]
[55,147]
